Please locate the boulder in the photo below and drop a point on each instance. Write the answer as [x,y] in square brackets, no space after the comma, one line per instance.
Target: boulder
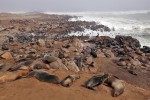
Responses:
[121,63]
[109,54]
[7,55]
[89,60]
[2,65]
[139,52]
[135,62]
[58,65]
[49,59]
[41,42]
[1,52]
[5,47]
[72,66]
[101,55]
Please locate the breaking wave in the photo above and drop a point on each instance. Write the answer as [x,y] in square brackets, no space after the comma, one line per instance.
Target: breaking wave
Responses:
[129,23]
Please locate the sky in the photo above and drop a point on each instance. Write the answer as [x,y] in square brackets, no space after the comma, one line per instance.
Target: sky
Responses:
[72,5]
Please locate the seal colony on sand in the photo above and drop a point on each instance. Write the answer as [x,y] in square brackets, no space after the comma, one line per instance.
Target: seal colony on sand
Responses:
[43,43]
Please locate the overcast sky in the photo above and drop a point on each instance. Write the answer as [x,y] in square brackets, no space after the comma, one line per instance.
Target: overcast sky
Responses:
[73,5]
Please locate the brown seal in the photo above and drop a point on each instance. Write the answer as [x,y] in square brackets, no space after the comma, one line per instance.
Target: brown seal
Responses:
[69,80]
[117,84]
[11,76]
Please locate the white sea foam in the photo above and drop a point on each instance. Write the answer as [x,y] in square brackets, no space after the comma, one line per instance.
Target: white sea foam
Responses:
[129,23]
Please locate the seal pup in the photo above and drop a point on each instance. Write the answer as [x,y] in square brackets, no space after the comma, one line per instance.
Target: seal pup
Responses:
[96,81]
[69,80]
[44,76]
[117,85]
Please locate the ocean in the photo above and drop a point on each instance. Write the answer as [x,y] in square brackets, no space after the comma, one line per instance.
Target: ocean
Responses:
[128,23]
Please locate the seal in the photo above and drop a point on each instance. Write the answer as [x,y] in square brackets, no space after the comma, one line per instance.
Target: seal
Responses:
[117,85]
[69,80]
[96,81]
[18,66]
[44,76]
[12,76]
[93,53]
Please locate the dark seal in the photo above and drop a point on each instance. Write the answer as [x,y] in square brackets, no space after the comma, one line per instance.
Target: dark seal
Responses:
[96,81]
[44,76]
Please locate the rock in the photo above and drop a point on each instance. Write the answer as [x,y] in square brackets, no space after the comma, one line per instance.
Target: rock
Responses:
[65,50]
[32,51]
[127,49]
[79,62]
[93,69]
[139,52]
[1,52]
[5,47]
[55,42]
[41,42]
[121,63]
[7,55]
[133,55]
[73,49]
[109,54]
[143,60]
[58,65]
[101,55]
[146,65]
[89,60]
[149,58]
[72,66]
[147,54]
[49,59]
[21,51]
[20,58]
[135,62]
[2,65]
[77,43]
[132,72]
[31,56]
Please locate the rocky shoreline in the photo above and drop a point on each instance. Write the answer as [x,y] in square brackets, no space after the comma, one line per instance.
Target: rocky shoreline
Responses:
[40,41]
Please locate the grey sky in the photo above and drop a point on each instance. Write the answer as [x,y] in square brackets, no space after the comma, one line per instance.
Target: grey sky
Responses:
[73,5]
